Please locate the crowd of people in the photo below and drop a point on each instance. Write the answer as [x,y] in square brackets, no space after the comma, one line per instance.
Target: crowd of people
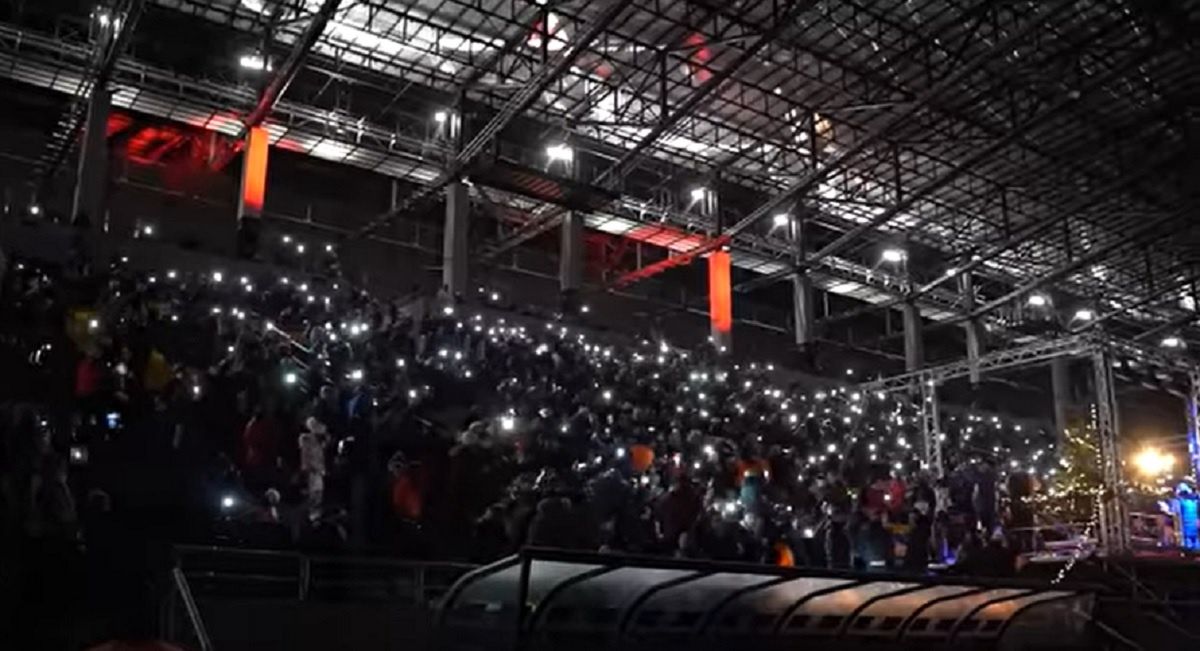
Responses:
[305,413]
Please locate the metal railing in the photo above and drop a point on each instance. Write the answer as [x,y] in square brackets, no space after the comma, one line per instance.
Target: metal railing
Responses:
[203,572]
[222,570]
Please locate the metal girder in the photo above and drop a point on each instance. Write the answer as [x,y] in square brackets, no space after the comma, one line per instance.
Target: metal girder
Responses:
[1114,525]
[1029,355]
[982,154]
[852,153]
[662,265]
[100,71]
[1082,261]
[931,430]
[275,88]
[517,104]
[1192,418]
[1024,234]
[1114,529]
[849,155]
[994,361]
[1162,295]
[279,83]
[549,219]
[1166,327]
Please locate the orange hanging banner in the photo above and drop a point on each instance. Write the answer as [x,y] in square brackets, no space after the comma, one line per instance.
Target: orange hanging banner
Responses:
[254,173]
[720,295]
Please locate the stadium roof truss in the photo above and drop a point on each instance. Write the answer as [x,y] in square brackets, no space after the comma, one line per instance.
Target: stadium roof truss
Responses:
[1025,140]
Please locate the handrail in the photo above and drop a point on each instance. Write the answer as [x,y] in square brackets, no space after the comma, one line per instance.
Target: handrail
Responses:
[189,604]
[345,560]
[299,571]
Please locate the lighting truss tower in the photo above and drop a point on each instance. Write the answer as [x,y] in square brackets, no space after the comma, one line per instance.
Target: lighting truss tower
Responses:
[1114,534]
[1113,523]
[1193,423]
[931,430]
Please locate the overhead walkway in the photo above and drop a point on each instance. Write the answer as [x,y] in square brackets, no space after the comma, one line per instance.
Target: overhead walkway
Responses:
[589,601]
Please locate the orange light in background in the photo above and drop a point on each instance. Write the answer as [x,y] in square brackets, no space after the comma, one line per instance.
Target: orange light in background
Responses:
[254,172]
[720,292]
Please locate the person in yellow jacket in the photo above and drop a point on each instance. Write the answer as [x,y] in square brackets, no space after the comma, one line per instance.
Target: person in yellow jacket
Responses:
[158,373]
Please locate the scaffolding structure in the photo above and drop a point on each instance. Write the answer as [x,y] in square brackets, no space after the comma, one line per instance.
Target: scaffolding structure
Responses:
[1103,352]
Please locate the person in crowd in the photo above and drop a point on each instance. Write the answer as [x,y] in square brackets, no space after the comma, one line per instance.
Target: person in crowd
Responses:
[445,429]
[312,444]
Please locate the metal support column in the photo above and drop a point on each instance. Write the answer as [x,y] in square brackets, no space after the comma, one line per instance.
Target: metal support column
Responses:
[571,258]
[720,282]
[802,310]
[253,191]
[802,291]
[1114,532]
[1060,390]
[931,430]
[454,239]
[91,182]
[914,343]
[966,285]
[571,251]
[1193,423]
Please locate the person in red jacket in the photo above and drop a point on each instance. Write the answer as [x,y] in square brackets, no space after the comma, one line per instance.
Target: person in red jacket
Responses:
[89,375]
[260,448]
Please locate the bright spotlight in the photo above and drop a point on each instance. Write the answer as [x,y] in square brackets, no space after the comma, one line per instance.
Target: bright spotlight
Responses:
[35,209]
[560,152]
[894,255]
[781,220]
[255,62]
[289,378]
[440,117]
[1172,342]
[228,502]
[1038,300]
[698,193]
[508,423]
[1084,314]
[1153,462]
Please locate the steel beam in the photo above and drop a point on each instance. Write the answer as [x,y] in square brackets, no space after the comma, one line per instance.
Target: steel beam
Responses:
[971,328]
[1114,532]
[1025,234]
[1163,295]
[914,341]
[278,84]
[998,360]
[516,105]
[1154,228]
[983,154]
[1192,406]
[854,152]
[542,223]
[1060,390]
[91,180]
[275,88]
[931,430]
[109,48]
